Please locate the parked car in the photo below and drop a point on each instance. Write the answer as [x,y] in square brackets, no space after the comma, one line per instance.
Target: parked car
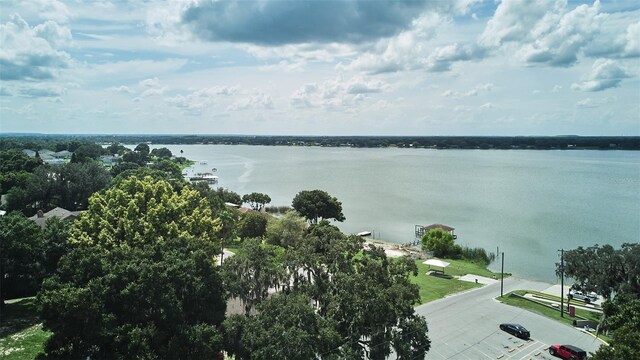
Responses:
[568,352]
[584,296]
[516,329]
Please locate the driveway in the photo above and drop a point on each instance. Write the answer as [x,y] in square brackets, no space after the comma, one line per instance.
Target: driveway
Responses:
[465,326]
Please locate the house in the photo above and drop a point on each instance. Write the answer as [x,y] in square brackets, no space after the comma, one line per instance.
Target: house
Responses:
[63,214]
[64,154]
[421,230]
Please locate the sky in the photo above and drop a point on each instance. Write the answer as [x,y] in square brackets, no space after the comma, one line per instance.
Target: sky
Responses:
[459,67]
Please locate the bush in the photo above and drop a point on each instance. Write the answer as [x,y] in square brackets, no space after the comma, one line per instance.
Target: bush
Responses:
[477,254]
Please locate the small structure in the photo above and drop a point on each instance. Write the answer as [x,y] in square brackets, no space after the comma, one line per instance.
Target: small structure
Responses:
[421,230]
[63,214]
[364,233]
[437,263]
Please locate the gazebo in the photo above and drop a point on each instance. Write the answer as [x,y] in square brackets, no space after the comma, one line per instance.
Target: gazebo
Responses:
[438,263]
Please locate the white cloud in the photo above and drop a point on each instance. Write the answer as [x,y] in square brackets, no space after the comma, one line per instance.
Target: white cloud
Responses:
[44,9]
[30,53]
[542,34]
[337,94]
[197,101]
[487,106]
[121,89]
[605,74]
[256,101]
[586,103]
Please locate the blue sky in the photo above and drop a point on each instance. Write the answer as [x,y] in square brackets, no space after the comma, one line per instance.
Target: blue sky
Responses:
[460,67]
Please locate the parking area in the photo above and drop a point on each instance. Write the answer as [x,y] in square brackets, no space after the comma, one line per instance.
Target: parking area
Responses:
[498,345]
[466,326]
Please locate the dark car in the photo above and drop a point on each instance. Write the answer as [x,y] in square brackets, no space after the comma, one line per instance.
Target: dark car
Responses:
[568,352]
[516,329]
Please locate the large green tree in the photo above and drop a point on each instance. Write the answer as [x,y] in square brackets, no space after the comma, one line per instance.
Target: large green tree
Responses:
[317,205]
[158,300]
[603,268]
[251,225]
[285,327]
[251,273]
[256,200]
[623,323]
[441,243]
[357,293]
[286,231]
[21,260]
[140,280]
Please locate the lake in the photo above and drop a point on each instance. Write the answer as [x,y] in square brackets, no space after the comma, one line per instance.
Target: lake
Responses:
[530,204]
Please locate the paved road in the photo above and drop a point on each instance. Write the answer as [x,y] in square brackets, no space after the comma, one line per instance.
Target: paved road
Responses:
[465,326]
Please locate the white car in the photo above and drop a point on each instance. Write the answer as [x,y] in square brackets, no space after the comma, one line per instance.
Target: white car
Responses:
[584,296]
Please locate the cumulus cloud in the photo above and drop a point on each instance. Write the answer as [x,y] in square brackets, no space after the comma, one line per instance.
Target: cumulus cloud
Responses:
[544,33]
[294,22]
[30,53]
[605,74]
[336,94]
[256,101]
[152,87]
[443,57]
[197,101]
[586,103]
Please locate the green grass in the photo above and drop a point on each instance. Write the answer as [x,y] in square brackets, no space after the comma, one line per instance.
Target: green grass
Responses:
[435,287]
[21,334]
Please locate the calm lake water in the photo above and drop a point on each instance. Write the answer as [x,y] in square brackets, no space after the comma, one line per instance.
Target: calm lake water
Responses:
[528,203]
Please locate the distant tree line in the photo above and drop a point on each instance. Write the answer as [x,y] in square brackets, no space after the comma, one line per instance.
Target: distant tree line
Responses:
[435,142]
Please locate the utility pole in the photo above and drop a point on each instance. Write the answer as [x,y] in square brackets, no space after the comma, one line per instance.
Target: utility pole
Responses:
[502,276]
[561,282]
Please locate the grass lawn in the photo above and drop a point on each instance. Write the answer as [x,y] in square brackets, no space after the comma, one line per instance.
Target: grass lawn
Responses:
[434,287]
[21,334]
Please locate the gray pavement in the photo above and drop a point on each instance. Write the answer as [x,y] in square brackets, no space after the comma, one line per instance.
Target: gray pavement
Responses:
[465,326]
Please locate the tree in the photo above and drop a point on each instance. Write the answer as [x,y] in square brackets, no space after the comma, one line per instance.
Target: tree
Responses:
[116,148]
[139,211]
[603,268]
[249,274]
[286,231]
[169,167]
[624,325]
[142,148]
[75,183]
[122,166]
[252,225]
[285,327]
[141,280]
[162,153]
[229,196]
[317,204]
[20,256]
[136,157]
[256,200]
[441,243]
[15,161]
[87,152]
[158,300]
[363,301]
[55,243]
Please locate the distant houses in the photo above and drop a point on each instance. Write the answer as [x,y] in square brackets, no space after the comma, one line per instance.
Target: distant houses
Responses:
[50,157]
[63,214]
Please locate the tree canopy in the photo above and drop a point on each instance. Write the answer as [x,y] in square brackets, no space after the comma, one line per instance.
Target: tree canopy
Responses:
[441,243]
[363,301]
[141,279]
[138,211]
[20,256]
[256,200]
[315,205]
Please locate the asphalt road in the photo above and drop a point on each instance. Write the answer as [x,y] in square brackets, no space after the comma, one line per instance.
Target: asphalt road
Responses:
[465,326]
